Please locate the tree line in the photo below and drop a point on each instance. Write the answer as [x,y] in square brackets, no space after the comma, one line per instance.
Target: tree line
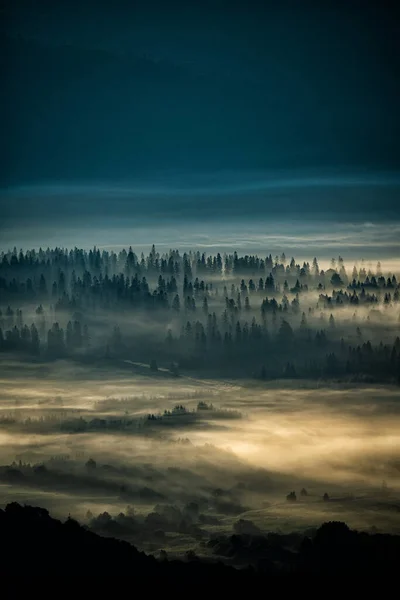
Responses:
[258,317]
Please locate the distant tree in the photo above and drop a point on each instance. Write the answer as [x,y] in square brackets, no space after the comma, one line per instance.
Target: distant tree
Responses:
[285,331]
[336,280]
[35,342]
[289,371]
[42,285]
[91,464]
[176,304]
[291,497]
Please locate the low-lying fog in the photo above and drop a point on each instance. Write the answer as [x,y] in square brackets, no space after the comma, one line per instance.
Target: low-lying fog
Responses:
[235,449]
[163,408]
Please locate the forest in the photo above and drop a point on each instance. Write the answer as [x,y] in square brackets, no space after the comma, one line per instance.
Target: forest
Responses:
[239,316]
[204,408]
[199,296]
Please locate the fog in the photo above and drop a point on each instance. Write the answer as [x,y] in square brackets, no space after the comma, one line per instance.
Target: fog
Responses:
[188,392]
[343,440]
[199,290]
[326,434]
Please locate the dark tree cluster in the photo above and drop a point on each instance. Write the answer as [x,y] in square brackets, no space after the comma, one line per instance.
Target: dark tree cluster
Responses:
[31,539]
[254,317]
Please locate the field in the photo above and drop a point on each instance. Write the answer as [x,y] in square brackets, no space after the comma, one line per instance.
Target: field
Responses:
[235,460]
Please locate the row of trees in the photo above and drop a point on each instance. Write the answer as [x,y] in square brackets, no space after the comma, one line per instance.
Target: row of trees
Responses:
[133,293]
[58,342]
[245,314]
[53,261]
[285,353]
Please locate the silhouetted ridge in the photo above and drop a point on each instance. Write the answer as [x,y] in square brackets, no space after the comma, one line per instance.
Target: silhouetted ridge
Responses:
[32,540]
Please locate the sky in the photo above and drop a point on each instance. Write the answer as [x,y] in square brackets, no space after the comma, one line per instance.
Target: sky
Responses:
[274,105]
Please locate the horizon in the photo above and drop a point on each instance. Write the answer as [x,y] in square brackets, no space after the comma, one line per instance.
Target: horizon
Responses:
[200,288]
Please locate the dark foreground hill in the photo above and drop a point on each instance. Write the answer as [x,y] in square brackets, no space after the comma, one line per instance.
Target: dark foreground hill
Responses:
[33,543]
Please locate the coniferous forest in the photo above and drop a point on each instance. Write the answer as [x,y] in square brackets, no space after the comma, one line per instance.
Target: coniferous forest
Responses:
[199,295]
[202,407]
[241,316]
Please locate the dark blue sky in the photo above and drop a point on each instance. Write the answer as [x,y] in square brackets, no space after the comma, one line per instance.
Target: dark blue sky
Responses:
[126,91]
